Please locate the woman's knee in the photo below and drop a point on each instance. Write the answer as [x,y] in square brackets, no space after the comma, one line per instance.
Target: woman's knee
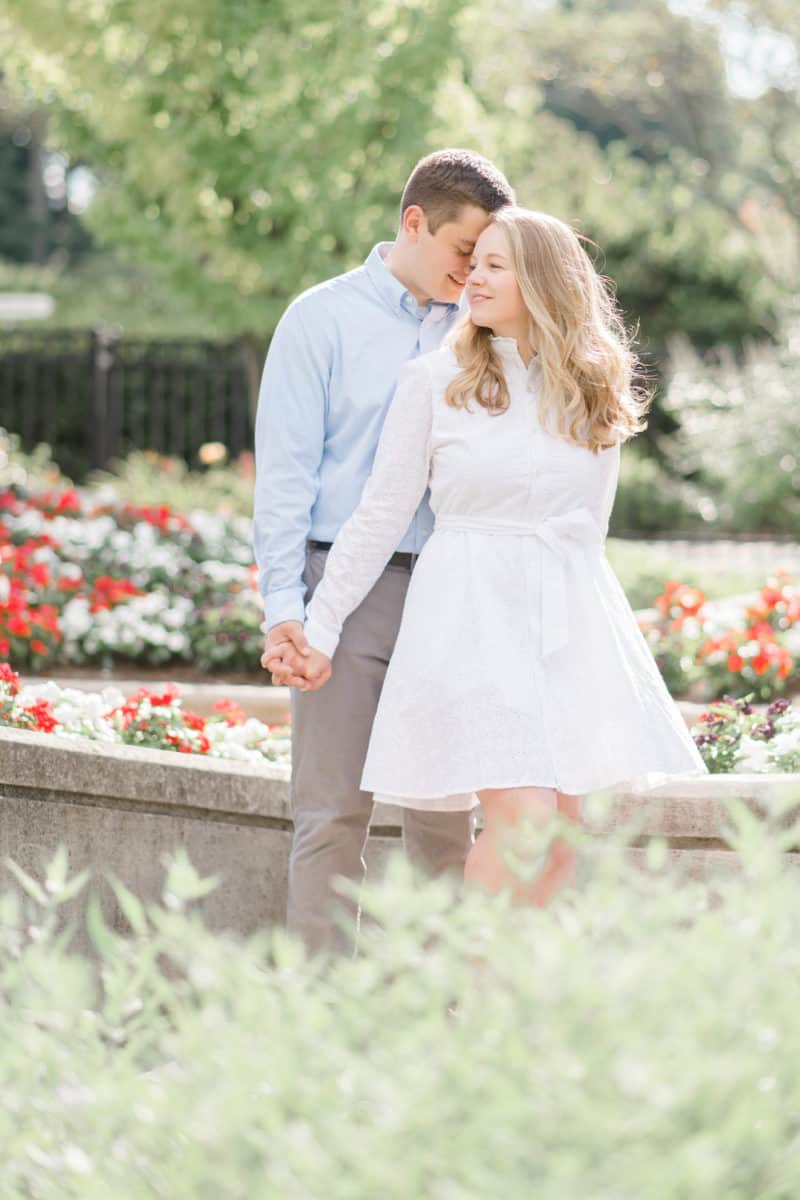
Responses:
[510,806]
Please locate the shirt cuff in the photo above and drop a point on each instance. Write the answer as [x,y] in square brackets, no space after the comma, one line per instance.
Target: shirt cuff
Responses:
[321,638]
[286,604]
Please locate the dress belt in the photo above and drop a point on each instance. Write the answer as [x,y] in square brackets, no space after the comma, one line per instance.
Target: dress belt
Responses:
[557,535]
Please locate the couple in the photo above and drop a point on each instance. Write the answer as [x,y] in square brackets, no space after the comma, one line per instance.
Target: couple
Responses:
[477,648]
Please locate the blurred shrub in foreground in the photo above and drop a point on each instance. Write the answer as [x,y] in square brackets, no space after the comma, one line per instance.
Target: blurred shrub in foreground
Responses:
[636,1039]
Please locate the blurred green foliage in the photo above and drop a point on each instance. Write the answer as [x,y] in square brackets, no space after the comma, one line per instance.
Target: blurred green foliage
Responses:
[107,288]
[737,437]
[610,1045]
[145,477]
[244,159]
[617,116]
[249,153]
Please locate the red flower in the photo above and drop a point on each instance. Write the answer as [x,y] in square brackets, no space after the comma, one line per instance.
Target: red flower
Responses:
[735,662]
[234,715]
[42,714]
[40,574]
[691,600]
[68,501]
[10,677]
[18,626]
[687,600]
[38,647]
[68,585]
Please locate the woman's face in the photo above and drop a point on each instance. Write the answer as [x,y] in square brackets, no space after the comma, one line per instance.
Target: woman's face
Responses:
[495,301]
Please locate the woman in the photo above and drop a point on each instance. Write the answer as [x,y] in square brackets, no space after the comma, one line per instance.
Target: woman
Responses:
[519,679]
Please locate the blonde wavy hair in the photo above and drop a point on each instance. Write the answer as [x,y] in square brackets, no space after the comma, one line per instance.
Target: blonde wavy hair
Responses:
[590,393]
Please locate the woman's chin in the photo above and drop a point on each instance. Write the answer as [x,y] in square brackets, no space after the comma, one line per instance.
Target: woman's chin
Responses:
[478,319]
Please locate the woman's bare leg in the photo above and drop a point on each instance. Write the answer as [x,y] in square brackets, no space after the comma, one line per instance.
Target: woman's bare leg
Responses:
[505,809]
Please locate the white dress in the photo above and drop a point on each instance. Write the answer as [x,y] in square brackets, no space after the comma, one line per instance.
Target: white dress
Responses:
[519,660]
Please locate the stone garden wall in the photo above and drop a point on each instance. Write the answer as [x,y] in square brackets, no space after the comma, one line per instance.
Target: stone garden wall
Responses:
[120,811]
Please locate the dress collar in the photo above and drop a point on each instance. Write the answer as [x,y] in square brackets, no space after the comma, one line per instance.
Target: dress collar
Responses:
[508,351]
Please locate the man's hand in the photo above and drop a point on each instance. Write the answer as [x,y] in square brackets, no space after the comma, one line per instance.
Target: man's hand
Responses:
[291,661]
[285,653]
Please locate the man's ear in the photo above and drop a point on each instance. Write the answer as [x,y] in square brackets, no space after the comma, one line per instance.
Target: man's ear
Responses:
[414,223]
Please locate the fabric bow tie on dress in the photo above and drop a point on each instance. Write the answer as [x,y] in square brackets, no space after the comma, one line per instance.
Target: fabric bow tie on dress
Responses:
[557,534]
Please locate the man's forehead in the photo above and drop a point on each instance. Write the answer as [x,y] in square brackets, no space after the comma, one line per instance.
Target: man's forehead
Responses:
[469,225]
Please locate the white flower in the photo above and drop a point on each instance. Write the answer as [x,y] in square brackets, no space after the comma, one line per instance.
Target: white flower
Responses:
[752,755]
[786,742]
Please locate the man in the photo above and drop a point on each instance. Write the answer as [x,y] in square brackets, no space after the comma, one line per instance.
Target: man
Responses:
[328,382]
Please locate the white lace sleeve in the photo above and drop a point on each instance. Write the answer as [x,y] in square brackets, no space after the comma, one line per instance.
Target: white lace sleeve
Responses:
[391,496]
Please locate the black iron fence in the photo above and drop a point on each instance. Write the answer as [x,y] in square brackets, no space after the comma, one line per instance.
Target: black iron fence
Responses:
[93,395]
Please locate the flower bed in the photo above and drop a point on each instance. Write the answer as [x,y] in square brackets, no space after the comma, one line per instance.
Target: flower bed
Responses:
[155,720]
[97,581]
[750,647]
[732,735]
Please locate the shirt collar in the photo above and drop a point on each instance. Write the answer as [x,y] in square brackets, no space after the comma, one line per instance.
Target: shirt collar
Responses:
[395,293]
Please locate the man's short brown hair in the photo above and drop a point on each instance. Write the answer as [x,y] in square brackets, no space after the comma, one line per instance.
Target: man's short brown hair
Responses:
[443,182]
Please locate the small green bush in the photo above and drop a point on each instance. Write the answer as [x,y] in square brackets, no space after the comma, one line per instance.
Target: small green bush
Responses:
[35,470]
[649,500]
[637,1039]
[147,478]
[737,440]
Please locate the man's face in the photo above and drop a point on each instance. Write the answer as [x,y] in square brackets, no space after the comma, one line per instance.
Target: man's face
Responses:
[443,257]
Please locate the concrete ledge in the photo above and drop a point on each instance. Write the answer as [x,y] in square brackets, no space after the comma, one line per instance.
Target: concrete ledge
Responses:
[121,810]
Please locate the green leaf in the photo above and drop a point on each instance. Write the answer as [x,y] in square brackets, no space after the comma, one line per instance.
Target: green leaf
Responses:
[57,870]
[27,883]
[132,908]
[99,932]
[73,886]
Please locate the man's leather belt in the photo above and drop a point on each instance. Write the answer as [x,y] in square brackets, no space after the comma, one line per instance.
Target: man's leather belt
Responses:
[400,558]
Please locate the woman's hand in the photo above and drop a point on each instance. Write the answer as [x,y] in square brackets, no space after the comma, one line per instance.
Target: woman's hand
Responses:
[317,669]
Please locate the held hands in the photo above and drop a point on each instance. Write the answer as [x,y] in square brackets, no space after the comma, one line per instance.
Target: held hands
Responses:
[291,661]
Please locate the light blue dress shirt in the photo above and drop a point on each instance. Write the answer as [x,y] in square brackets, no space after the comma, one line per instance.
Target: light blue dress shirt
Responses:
[329,378]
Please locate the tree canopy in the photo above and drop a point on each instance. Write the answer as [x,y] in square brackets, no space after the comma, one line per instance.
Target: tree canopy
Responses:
[248,150]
